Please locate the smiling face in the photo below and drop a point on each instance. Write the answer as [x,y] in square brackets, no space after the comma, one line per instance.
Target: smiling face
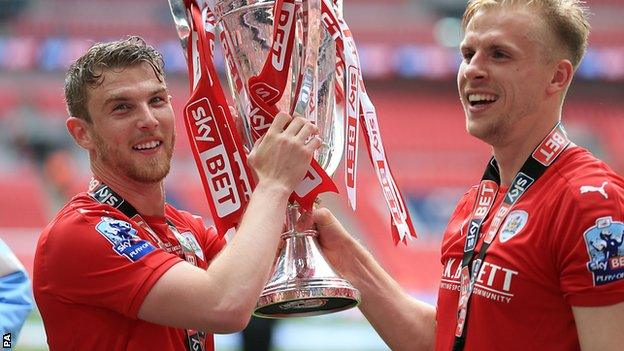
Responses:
[504,74]
[132,124]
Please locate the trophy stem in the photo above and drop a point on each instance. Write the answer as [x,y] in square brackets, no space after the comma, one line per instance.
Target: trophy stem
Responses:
[292,215]
[302,282]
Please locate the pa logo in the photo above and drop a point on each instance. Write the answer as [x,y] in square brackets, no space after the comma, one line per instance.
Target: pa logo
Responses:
[6,341]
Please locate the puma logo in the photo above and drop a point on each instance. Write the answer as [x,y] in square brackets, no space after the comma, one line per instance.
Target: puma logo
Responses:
[591,188]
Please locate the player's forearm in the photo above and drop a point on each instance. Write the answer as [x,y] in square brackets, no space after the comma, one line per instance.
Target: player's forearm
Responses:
[243,268]
[403,322]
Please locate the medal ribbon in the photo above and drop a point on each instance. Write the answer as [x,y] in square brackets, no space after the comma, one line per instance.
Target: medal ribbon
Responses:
[103,194]
[542,157]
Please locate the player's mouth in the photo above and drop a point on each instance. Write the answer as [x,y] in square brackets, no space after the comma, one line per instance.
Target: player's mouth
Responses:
[148,146]
[481,100]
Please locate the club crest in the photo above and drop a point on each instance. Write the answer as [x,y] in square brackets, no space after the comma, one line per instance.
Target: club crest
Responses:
[190,242]
[515,222]
[606,252]
[124,238]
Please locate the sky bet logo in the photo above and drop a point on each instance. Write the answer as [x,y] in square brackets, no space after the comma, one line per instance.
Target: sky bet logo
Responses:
[519,186]
[6,341]
[283,33]
[213,155]
[104,195]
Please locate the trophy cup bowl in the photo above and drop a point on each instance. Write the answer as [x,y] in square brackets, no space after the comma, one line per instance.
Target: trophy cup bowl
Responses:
[302,283]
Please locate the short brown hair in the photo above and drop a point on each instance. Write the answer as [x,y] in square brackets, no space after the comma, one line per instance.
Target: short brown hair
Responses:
[568,20]
[87,70]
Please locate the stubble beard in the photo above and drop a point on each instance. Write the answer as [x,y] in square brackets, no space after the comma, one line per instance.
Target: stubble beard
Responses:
[496,130]
[490,132]
[155,169]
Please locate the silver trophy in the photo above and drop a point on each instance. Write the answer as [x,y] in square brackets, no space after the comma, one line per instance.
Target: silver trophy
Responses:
[302,283]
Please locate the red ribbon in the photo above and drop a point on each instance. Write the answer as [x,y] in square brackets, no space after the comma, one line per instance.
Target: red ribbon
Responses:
[216,146]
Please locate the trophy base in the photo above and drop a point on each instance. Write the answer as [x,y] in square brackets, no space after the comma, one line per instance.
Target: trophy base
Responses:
[302,282]
[303,299]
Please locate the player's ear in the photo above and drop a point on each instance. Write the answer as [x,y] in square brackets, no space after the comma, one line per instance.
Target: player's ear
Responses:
[561,78]
[81,131]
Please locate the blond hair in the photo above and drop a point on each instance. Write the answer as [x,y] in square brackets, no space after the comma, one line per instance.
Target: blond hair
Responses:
[567,19]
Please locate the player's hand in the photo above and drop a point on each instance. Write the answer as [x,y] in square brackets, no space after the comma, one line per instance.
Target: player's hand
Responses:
[282,156]
[333,238]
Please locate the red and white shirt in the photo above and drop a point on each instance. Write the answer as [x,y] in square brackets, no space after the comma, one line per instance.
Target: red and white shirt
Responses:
[94,266]
[560,246]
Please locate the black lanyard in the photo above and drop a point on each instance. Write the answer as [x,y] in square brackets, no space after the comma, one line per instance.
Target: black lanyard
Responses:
[102,193]
[542,157]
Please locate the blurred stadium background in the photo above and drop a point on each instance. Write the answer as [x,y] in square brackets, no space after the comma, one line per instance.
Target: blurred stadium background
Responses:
[409,56]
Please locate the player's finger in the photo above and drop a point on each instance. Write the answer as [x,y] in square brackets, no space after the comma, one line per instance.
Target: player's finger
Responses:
[306,132]
[279,123]
[295,126]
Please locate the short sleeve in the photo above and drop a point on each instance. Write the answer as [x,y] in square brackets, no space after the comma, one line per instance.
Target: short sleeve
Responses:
[590,253]
[213,243]
[209,239]
[100,259]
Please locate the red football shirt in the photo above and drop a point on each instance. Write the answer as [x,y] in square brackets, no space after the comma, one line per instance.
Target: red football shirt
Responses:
[560,246]
[94,266]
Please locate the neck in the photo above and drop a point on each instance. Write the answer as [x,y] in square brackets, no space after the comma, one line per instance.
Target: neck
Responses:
[511,155]
[147,198]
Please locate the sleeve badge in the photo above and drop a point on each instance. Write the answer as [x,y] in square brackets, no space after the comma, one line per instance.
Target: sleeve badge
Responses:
[124,239]
[606,252]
